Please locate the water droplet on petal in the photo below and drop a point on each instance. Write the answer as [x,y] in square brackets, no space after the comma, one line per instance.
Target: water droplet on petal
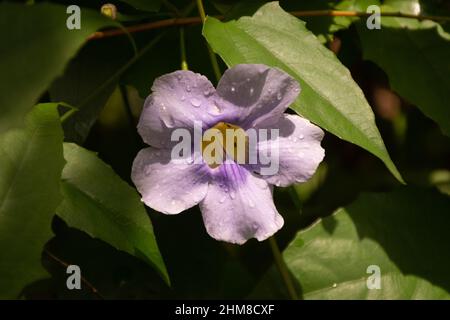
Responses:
[301,137]
[279,96]
[294,139]
[252,90]
[179,77]
[250,203]
[188,88]
[233,89]
[195,102]
[190,160]
[214,110]
[147,170]
[232,195]
[183,97]
[334,285]
[222,200]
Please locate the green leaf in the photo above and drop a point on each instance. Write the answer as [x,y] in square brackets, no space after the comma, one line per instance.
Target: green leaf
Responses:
[414,55]
[144,5]
[404,233]
[31,161]
[35,51]
[99,203]
[330,98]
[325,26]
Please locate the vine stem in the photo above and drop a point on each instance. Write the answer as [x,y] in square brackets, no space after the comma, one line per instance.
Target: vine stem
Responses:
[184,21]
[212,55]
[282,268]
[65,264]
[184,64]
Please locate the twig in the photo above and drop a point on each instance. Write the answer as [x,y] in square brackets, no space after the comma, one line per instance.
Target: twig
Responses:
[282,268]
[65,264]
[313,13]
[212,55]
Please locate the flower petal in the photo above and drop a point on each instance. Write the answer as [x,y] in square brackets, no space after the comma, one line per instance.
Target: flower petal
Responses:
[177,100]
[168,186]
[299,152]
[239,206]
[255,94]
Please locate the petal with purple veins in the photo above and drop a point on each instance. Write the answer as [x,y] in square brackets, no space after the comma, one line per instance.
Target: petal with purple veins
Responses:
[299,150]
[255,95]
[168,186]
[239,206]
[177,100]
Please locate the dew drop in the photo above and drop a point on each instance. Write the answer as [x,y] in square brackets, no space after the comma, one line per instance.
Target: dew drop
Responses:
[250,203]
[232,195]
[233,89]
[179,76]
[195,102]
[190,160]
[147,170]
[222,200]
[334,285]
[301,137]
[183,97]
[279,96]
[188,88]
[214,110]
[252,90]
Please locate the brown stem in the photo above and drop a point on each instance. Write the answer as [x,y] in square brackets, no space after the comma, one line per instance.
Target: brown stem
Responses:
[197,20]
[65,264]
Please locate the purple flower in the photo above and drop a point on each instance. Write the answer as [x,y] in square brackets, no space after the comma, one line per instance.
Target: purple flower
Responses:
[235,199]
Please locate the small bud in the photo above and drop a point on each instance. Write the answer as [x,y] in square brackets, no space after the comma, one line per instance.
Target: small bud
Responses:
[109,10]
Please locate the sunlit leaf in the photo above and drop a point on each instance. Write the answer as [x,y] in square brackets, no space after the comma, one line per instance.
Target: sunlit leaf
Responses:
[36,45]
[330,98]
[31,161]
[403,234]
[99,203]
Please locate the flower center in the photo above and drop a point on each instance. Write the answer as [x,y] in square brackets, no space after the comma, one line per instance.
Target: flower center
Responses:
[222,140]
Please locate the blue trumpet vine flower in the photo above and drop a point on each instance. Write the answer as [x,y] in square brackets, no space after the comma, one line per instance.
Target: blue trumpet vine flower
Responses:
[235,197]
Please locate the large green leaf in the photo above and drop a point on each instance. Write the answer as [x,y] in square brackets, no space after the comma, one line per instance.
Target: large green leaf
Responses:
[99,203]
[330,98]
[404,233]
[35,51]
[31,161]
[415,56]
